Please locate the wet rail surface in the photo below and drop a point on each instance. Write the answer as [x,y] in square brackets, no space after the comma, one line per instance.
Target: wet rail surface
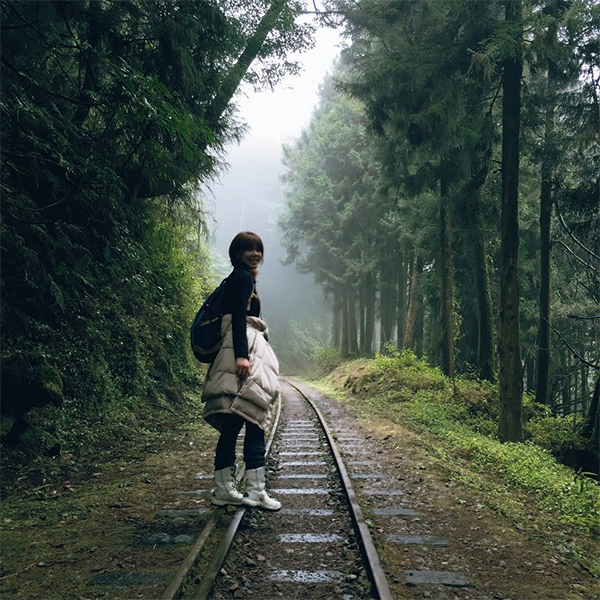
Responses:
[319,544]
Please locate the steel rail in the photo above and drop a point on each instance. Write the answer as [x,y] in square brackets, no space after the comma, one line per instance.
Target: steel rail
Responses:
[378,578]
[174,586]
[188,562]
[210,574]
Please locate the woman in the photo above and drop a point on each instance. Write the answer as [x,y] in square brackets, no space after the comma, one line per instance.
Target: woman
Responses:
[242,384]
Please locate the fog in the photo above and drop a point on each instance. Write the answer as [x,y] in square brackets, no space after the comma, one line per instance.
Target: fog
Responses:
[249,197]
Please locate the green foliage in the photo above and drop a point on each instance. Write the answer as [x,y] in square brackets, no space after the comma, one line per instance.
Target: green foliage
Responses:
[113,114]
[531,469]
[331,222]
[327,359]
[428,76]
[299,343]
[408,370]
[556,434]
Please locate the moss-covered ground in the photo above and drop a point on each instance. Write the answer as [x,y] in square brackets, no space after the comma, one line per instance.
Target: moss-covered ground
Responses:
[70,520]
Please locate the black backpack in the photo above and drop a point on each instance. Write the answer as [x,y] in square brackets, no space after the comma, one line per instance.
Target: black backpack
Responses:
[205,333]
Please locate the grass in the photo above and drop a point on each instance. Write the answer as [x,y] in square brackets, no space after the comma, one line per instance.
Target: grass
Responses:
[456,422]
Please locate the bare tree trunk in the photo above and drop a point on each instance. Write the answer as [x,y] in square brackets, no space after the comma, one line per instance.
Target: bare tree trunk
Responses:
[590,427]
[402,299]
[345,337]
[530,372]
[369,313]
[386,303]
[510,427]
[544,335]
[446,278]
[352,328]
[413,305]
[420,325]
[336,327]
[484,302]
[480,162]
[362,304]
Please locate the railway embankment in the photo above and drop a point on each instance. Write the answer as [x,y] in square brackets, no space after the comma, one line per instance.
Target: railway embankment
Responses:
[541,512]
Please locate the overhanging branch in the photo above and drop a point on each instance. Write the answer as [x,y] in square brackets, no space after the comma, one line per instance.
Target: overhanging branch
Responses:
[574,352]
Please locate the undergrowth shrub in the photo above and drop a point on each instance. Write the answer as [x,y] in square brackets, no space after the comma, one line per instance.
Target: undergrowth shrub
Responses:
[556,433]
[326,360]
[405,369]
[528,468]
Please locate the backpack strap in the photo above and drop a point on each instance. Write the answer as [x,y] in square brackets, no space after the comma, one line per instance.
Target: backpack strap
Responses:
[253,294]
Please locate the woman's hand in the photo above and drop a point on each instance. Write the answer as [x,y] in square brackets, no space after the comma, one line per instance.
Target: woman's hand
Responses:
[242,367]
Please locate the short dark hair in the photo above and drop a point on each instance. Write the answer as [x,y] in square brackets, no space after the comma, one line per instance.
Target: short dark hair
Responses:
[245,240]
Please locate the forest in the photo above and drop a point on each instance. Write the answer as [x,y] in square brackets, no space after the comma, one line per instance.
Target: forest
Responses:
[444,197]
[114,118]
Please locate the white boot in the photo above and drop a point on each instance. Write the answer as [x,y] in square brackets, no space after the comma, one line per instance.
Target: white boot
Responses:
[225,492]
[255,494]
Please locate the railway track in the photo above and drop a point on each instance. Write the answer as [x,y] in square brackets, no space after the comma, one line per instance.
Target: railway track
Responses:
[328,475]
[317,544]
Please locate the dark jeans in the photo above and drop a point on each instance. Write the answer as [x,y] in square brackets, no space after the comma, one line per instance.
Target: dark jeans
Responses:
[254,444]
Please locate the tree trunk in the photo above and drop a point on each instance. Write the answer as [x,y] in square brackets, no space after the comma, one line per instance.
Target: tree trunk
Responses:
[510,427]
[485,349]
[336,326]
[566,394]
[402,299]
[345,338]
[485,340]
[530,372]
[238,71]
[413,305]
[446,278]
[352,328]
[544,328]
[480,164]
[590,427]
[362,303]
[386,302]
[369,313]
[420,321]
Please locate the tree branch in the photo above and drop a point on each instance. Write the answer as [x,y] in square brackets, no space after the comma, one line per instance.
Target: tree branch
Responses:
[572,235]
[583,262]
[239,70]
[45,90]
[573,352]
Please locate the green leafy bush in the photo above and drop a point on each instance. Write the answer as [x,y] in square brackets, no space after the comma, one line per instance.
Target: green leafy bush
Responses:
[556,433]
[327,359]
[298,345]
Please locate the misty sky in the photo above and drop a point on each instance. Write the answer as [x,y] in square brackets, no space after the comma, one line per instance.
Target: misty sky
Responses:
[273,118]
[249,196]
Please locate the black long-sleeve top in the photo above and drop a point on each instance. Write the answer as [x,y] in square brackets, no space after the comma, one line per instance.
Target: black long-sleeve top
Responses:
[238,289]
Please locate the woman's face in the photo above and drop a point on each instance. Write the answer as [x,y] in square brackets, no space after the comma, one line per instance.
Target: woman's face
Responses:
[252,258]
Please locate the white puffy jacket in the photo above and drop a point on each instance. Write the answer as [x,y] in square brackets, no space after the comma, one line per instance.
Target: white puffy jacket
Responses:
[251,397]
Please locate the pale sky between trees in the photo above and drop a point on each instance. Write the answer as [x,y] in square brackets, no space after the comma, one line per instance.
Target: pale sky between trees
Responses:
[273,117]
